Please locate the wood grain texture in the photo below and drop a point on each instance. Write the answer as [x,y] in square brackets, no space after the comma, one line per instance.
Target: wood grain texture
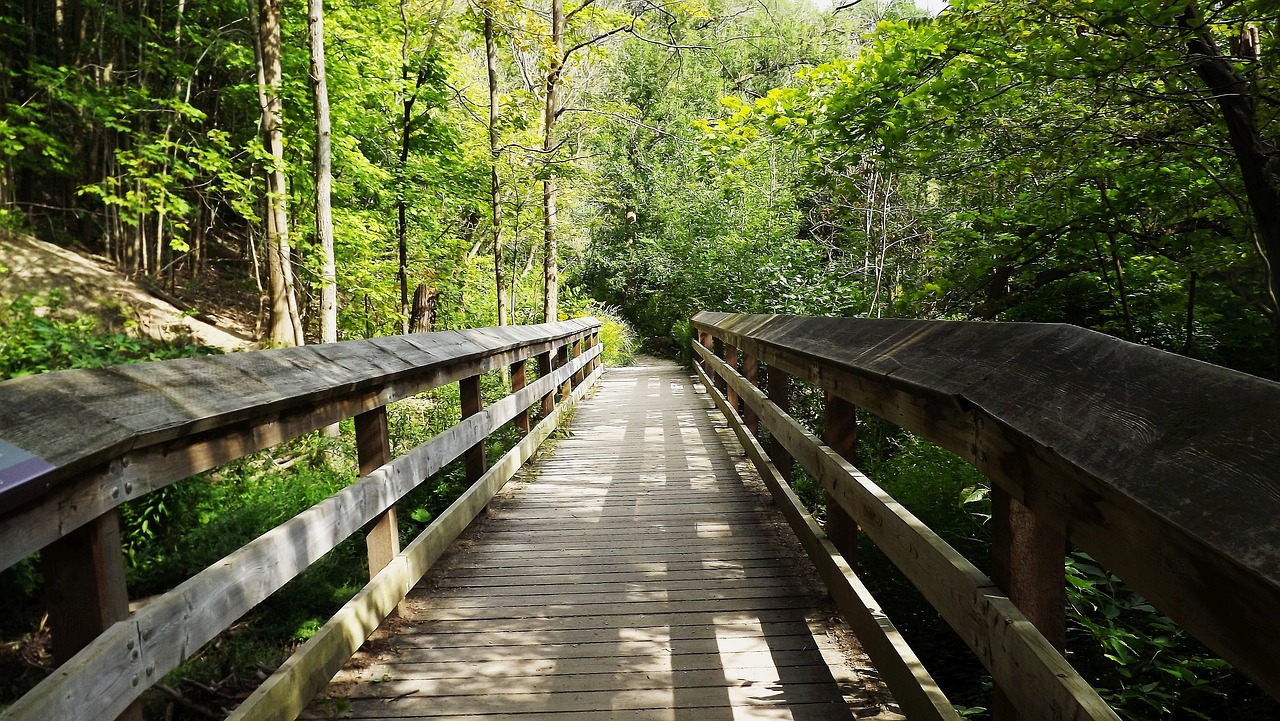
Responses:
[101,680]
[602,586]
[113,434]
[472,403]
[913,688]
[287,692]
[1038,679]
[1161,467]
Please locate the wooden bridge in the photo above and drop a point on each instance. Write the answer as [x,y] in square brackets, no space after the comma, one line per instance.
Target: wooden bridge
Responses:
[637,570]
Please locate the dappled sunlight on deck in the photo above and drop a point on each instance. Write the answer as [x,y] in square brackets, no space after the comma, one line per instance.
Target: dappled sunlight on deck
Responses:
[633,575]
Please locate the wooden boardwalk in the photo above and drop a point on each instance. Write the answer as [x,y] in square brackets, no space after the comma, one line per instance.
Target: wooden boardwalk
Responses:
[634,572]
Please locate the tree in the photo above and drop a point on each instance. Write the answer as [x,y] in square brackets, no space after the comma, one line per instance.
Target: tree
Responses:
[324,175]
[285,321]
[550,269]
[495,188]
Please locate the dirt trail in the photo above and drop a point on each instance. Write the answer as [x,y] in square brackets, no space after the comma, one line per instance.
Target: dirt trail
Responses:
[93,286]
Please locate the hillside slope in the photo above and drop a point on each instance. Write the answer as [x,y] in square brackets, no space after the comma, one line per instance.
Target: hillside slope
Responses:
[93,286]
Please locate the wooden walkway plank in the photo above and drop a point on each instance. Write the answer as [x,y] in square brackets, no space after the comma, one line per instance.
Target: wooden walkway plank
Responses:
[635,573]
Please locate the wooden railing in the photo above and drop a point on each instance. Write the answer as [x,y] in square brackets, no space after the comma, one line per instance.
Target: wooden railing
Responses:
[77,444]
[1165,469]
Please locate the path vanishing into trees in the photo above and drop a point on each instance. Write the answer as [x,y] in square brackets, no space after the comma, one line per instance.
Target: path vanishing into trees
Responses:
[640,569]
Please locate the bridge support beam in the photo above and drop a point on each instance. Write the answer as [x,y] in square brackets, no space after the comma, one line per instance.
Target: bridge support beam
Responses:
[751,371]
[373,449]
[731,359]
[87,592]
[562,360]
[705,340]
[1028,566]
[840,431]
[473,459]
[577,351]
[718,347]
[779,391]
[544,369]
[519,379]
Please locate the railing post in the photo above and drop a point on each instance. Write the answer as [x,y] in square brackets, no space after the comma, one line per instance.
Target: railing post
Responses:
[840,424]
[1028,566]
[473,459]
[751,371]
[562,360]
[577,352]
[373,449]
[718,348]
[595,341]
[519,379]
[780,393]
[731,359]
[84,571]
[544,369]
[704,338]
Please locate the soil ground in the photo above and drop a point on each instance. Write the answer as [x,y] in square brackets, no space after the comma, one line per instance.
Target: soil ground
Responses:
[93,286]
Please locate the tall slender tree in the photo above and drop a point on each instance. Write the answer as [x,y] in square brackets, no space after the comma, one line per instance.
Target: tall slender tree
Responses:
[285,323]
[324,175]
[495,187]
[551,279]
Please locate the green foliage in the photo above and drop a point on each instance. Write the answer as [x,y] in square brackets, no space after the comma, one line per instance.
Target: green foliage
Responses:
[616,334]
[37,334]
[1149,667]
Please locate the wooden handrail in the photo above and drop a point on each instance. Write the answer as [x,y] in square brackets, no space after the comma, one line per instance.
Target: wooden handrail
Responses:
[108,435]
[278,395]
[1161,467]
[914,690]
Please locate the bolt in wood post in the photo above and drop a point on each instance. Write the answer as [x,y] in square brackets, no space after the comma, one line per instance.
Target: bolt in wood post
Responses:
[373,449]
[840,422]
[562,360]
[518,381]
[780,393]
[544,369]
[1028,565]
[472,404]
[577,352]
[751,371]
[84,577]
[731,359]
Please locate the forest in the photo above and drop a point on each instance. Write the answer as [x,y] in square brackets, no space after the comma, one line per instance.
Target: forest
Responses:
[357,168]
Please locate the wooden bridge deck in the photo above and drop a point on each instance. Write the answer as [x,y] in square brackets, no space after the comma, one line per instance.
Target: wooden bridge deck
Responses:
[634,572]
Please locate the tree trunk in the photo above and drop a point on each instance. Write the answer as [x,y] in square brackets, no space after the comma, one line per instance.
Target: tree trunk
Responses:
[1120,287]
[551,280]
[1258,158]
[423,317]
[495,188]
[286,323]
[402,217]
[324,175]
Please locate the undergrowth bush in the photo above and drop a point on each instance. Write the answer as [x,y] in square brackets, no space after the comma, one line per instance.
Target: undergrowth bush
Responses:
[39,334]
[620,340]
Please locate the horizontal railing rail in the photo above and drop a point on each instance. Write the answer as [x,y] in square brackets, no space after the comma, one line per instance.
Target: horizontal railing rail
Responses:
[101,437]
[1161,467]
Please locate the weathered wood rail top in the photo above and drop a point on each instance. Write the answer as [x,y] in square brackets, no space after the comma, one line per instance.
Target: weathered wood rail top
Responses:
[1165,469]
[74,445]
[113,411]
